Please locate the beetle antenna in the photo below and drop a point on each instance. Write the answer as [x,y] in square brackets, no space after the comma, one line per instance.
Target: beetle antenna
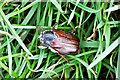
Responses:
[54,25]
[72,31]
[40,28]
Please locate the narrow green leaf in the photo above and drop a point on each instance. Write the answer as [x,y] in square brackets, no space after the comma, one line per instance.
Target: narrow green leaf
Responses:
[57,5]
[42,22]
[14,33]
[118,64]
[86,8]
[30,14]
[105,53]
[85,64]
[107,33]
[22,10]
[100,24]
[50,16]
[81,71]
[114,8]
[21,68]
[9,57]
[7,69]
[113,22]
[76,72]
[72,14]
[67,73]
[92,44]
[41,56]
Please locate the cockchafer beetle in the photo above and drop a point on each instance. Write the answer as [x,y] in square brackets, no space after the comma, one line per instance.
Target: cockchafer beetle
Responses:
[59,41]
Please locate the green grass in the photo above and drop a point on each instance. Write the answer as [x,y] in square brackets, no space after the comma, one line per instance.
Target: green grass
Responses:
[98,28]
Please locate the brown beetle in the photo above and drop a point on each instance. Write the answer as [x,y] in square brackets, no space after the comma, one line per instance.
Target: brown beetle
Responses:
[59,41]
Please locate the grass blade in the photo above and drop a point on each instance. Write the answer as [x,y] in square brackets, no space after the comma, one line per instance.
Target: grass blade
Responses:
[118,64]
[9,57]
[107,34]
[114,8]
[23,9]
[86,8]
[14,33]
[57,5]
[41,56]
[72,14]
[105,53]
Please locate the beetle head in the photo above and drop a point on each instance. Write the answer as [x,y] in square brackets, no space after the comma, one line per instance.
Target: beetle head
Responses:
[47,37]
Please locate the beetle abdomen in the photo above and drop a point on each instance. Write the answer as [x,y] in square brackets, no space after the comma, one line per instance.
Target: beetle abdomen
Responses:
[64,46]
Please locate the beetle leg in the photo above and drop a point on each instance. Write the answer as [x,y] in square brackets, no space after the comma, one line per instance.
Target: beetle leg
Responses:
[63,57]
[42,47]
